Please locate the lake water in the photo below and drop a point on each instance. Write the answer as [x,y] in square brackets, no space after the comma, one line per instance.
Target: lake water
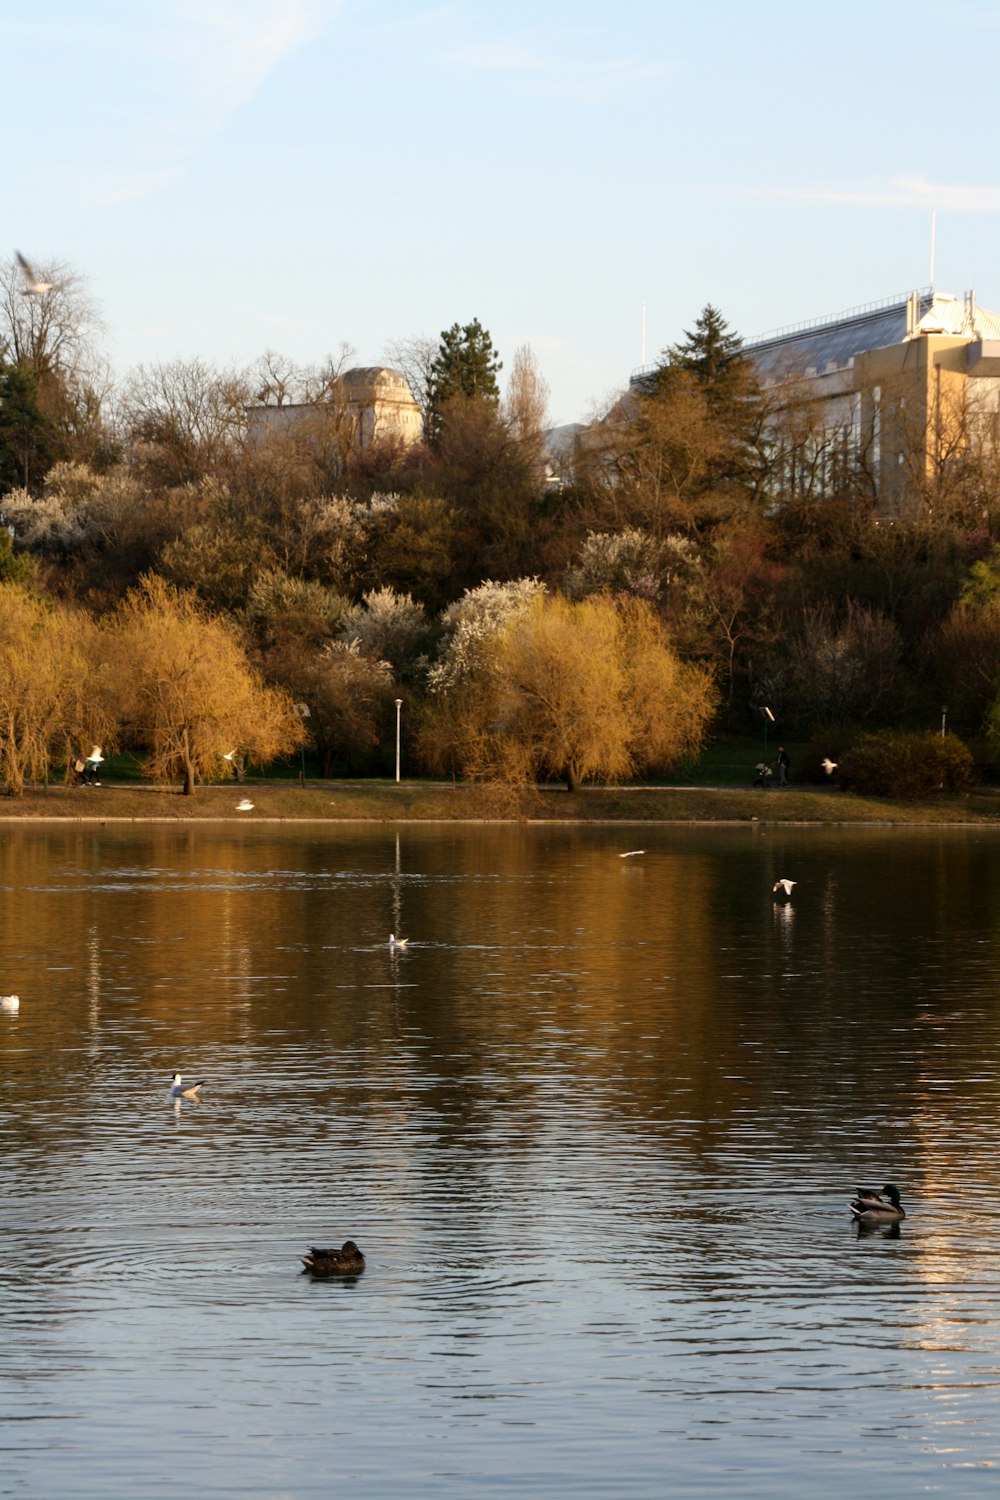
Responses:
[596,1131]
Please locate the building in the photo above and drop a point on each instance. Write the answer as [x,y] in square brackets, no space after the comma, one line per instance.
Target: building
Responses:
[367,406]
[894,390]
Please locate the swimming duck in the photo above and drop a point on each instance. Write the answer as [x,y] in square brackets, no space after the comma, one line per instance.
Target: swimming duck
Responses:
[181,1090]
[870,1207]
[347,1261]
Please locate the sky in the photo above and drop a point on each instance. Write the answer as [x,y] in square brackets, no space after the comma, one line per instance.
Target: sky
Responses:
[236,176]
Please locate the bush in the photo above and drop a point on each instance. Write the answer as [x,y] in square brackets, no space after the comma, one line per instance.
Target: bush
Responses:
[907,766]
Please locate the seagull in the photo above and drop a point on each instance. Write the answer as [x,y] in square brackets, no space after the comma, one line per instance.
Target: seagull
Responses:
[784,885]
[181,1090]
[631,853]
[395,942]
[11,1003]
[244,805]
[228,754]
[34,286]
[829,766]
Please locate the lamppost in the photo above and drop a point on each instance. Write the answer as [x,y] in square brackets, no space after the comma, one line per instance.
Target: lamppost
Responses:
[768,718]
[399,704]
[301,711]
[944,715]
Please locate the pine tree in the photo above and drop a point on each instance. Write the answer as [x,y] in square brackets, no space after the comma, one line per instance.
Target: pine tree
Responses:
[710,350]
[26,446]
[465,365]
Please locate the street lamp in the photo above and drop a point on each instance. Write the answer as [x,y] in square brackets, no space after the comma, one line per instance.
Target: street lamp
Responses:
[768,718]
[399,704]
[944,715]
[301,711]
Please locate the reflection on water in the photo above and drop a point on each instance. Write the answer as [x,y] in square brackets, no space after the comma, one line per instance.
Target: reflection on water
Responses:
[595,1130]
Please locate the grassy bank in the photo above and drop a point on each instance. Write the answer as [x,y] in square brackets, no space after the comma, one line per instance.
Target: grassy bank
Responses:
[389,802]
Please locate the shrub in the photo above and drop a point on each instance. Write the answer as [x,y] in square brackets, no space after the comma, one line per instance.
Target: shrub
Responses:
[908,766]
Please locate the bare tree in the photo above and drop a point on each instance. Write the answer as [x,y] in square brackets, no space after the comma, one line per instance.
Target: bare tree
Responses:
[414,358]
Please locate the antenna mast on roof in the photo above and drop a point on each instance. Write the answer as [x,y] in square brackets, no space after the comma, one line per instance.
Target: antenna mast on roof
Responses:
[643,360]
[933,237]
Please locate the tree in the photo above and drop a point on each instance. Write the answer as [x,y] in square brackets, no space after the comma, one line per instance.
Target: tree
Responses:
[345,691]
[710,352]
[465,365]
[46,679]
[188,690]
[26,437]
[576,691]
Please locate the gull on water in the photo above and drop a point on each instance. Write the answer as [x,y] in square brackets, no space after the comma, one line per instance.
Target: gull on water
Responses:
[181,1090]
[784,885]
[10,1002]
[34,286]
[395,942]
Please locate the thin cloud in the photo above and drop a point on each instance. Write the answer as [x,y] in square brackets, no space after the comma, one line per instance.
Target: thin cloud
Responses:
[913,192]
[195,65]
[560,76]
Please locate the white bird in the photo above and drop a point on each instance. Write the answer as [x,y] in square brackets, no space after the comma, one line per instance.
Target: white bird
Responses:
[11,1003]
[34,286]
[829,766]
[784,885]
[244,805]
[395,942]
[228,754]
[631,853]
[181,1090]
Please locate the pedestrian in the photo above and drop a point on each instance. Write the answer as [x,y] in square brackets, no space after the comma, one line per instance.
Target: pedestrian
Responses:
[78,771]
[783,765]
[93,768]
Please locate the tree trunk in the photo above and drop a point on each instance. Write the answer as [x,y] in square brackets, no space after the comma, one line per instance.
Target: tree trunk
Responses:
[188,779]
[572,779]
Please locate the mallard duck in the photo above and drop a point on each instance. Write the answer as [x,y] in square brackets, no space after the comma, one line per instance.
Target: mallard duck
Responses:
[870,1207]
[347,1261]
[181,1090]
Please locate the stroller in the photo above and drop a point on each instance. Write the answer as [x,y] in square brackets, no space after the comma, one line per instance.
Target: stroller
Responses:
[763,773]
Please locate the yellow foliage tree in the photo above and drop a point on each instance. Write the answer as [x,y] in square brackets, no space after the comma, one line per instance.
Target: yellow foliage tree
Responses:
[576,690]
[188,690]
[48,695]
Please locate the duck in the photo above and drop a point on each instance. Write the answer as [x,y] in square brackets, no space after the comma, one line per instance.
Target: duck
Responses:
[347,1261]
[181,1090]
[870,1207]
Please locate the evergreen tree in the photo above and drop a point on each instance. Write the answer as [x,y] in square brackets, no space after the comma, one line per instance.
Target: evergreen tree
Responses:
[710,350]
[26,438]
[465,365]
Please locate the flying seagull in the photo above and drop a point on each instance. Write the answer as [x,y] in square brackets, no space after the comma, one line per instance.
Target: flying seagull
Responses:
[395,942]
[784,885]
[34,286]
[181,1090]
[244,805]
[829,766]
[631,853]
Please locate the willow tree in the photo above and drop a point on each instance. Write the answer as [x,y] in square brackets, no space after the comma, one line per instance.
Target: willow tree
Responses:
[48,699]
[188,690]
[578,691]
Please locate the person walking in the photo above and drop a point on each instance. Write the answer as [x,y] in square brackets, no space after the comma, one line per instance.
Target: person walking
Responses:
[783,765]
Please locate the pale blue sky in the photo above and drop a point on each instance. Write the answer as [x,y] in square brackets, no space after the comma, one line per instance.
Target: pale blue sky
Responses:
[237,175]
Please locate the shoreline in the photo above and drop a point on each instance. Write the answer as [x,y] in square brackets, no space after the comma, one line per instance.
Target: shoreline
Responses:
[420,802]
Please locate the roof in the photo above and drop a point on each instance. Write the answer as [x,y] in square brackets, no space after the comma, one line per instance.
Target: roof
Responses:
[834,343]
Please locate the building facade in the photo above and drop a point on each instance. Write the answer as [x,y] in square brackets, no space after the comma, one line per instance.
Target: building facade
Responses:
[894,391]
[367,405]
